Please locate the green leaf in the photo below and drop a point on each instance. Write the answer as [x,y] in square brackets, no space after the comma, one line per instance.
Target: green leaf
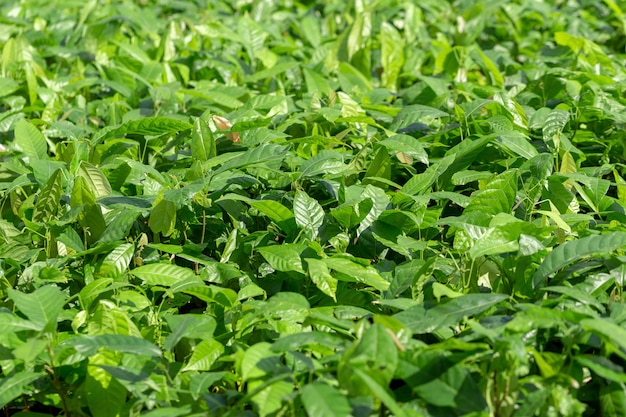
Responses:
[15,385]
[255,156]
[105,394]
[444,383]
[351,215]
[270,399]
[7,86]
[391,55]
[309,214]
[322,400]
[91,291]
[407,145]
[569,252]
[90,217]
[323,163]
[421,183]
[310,339]
[48,202]
[465,177]
[321,277]
[11,323]
[379,168]
[315,82]
[428,318]
[96,181]
[195,326]
[272,209]
[554,124]
[606,328]
[498,196]
[500,239]
[490,68]
[377,346]
[164,275]
[381,393]
[357,272]
[30,140]
[416,113]
[151,126]
[117,262]
[603,367]
[89,345]
[613,399]
[284,257]
[517,143]
[202,141]
[204,356]
[273,71]
[163,216]
[42,307]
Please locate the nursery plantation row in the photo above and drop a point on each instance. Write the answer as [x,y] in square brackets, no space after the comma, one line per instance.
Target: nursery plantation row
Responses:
[285,208]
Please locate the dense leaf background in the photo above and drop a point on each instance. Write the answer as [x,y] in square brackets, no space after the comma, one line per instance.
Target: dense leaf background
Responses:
[283,208]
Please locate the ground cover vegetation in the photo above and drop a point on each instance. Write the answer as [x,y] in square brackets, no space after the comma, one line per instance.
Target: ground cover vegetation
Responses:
[283,208]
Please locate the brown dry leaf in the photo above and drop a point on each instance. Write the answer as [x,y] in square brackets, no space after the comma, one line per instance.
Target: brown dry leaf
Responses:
[404,158]
[223,123]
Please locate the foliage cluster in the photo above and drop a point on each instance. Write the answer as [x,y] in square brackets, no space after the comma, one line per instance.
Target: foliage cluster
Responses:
[423,215]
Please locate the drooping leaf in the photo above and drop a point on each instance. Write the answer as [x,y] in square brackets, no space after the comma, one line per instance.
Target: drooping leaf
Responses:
[272,209]
[89,345]
[14,385]
[569,252]
[423,318]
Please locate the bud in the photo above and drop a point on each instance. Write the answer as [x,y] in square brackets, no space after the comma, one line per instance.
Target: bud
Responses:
[223,123]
